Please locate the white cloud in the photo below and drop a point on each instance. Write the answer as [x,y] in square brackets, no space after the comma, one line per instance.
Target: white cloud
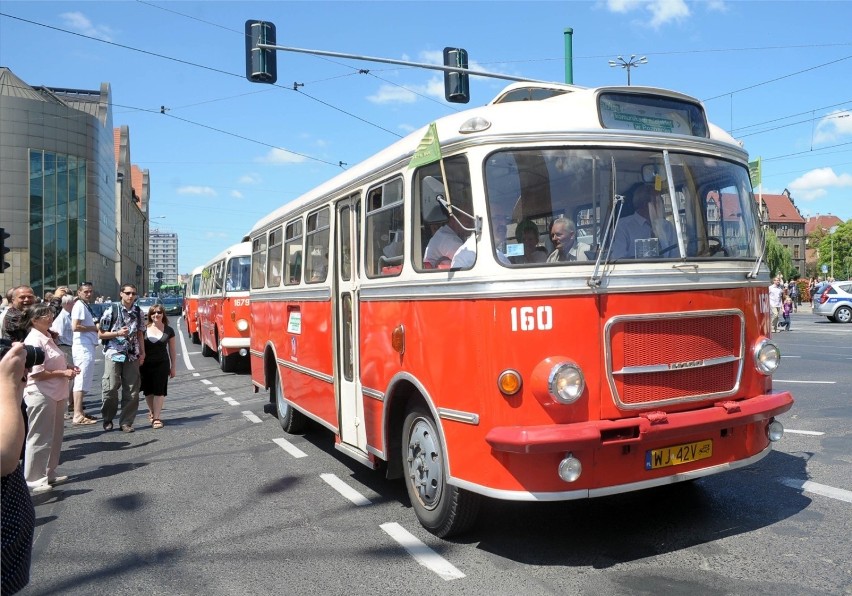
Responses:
[80,23]
[834,126]
[393,94]
[815,184]
[280,156]
[237,194]
[716,5]
[250,178]
[205,191]
[662,11]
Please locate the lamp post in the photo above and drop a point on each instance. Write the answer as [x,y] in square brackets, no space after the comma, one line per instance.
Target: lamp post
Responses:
[831,231]
[632,62]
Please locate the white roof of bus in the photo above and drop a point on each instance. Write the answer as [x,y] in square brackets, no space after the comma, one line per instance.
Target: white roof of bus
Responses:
[574,112]
[197,270]
[241,249]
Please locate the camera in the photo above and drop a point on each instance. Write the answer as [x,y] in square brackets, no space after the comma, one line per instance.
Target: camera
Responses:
[35,355]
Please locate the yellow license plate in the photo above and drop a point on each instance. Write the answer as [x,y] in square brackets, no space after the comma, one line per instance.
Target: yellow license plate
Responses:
[678,454]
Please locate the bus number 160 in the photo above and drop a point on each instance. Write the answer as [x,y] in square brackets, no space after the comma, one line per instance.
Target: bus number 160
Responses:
[527,318]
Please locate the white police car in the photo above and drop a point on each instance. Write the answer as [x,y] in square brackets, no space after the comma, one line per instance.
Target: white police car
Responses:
[836,302]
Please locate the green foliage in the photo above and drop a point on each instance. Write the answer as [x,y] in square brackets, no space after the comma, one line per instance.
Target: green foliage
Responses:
[778,258]
[838,244]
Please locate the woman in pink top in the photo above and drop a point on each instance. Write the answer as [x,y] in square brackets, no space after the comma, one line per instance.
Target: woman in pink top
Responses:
[45,394]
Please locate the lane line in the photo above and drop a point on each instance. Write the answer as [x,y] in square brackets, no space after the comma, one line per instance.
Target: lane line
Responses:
[345,490]
[422,553]
[183,351]
[251,417]
[290,448]
[196,374]
[231,401]
[815,433]
[819,489]
[216,390]
[207,381]
[804,382]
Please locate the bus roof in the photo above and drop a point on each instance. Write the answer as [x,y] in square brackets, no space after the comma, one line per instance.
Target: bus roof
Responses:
[574,110]
[241,249]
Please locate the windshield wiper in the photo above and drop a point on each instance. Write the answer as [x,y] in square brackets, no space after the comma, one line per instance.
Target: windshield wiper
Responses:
[606,242]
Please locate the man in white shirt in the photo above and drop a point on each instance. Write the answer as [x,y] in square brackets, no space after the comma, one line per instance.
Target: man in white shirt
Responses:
[83,349]
[64,339]
[646,222]
[563,233]
[446,241]
[776,302]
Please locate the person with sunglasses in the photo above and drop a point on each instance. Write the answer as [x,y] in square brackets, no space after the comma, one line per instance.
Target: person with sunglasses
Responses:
[121,331]
[160,362]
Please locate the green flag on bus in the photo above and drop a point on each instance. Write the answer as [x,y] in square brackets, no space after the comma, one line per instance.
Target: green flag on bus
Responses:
[754,172]
[429,149]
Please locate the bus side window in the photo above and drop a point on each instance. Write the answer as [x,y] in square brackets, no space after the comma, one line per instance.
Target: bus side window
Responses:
[385,229]
[293,253]
[258,261]
[316,246]
[273,279]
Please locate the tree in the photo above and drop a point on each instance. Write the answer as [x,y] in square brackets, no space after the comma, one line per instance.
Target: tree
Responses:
[778,258]
[839,246]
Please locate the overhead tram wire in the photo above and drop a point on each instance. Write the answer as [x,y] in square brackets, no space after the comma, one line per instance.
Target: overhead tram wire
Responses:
[186,62]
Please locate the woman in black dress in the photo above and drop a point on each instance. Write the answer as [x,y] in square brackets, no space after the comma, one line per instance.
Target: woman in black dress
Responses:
[160,361]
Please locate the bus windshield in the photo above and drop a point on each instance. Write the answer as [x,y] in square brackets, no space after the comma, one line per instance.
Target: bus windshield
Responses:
[238,274]
[551,206]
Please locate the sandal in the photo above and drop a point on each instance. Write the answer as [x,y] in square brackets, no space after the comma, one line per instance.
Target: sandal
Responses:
[157,423]
[126,428]
[107,425]
[84,420]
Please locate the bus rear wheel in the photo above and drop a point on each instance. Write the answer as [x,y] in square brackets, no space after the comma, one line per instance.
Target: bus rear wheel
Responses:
[195,338]
[205,350]
[442,509]
[291,420]
[226,363]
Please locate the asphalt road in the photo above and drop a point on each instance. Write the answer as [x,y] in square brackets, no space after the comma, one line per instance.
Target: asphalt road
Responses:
[222,502]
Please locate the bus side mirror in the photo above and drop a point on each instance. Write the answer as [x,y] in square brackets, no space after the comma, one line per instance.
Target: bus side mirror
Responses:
[261,64]
[456,84]
[432,200]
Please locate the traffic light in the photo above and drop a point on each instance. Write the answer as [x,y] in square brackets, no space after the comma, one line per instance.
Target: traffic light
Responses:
[456,84]
[3,248]
[261,65]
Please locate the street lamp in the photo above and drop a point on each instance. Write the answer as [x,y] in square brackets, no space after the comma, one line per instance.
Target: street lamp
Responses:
[632,62]
[831,231]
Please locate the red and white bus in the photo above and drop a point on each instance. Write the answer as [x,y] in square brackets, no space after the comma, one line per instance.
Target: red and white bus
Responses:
[223,306]
[560,353]
[190,304]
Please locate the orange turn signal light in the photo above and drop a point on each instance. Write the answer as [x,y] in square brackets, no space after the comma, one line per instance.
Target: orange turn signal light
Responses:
[398,339]
[509,382]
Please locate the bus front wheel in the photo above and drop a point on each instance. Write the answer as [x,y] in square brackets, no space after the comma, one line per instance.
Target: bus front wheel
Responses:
[442,509]
[291,420]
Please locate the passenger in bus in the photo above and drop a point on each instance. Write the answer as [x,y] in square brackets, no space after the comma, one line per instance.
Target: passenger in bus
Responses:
[446,240]
[526,233]
[647,221]
[563,232]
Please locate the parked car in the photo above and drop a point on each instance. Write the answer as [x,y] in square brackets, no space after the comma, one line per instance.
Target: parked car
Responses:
[836,302]
[146,303]
[172,305]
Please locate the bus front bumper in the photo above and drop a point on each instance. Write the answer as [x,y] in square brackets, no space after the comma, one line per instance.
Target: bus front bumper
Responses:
[645,428]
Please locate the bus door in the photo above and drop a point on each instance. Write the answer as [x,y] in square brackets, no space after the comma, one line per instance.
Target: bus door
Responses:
[350,401]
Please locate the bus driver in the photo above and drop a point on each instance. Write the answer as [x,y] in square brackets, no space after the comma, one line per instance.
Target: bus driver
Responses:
[647,221]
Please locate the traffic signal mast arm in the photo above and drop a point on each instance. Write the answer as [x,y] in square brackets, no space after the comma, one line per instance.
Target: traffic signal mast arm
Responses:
[266,46]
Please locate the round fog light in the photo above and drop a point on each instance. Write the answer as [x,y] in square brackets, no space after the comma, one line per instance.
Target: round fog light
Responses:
[243,352]
[570,468]
[775,431]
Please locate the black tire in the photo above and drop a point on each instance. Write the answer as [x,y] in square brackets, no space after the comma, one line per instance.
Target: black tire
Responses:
[196,339]
[206,351]
[442,509]
[226,363]
[291,420]
[843,314]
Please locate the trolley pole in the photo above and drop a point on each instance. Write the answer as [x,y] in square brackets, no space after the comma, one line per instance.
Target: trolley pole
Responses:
[569,56]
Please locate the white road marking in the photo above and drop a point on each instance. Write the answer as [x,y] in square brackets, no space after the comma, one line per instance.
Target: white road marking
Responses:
[183,351]
[231,401]
[815,433]
[819,489]
[422,553]
[805,382]
[216,390]
[251,417]
[788,356]
[290,448]
[196,374]
[207,381]
[345,490]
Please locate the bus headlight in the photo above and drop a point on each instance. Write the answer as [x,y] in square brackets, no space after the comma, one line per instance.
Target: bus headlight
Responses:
[566,383]
[767,357]
[242,325]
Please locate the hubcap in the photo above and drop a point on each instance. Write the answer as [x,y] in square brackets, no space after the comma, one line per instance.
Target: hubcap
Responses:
[425,470]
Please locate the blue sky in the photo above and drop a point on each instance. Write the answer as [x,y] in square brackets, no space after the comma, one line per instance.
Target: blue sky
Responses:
[777,75]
